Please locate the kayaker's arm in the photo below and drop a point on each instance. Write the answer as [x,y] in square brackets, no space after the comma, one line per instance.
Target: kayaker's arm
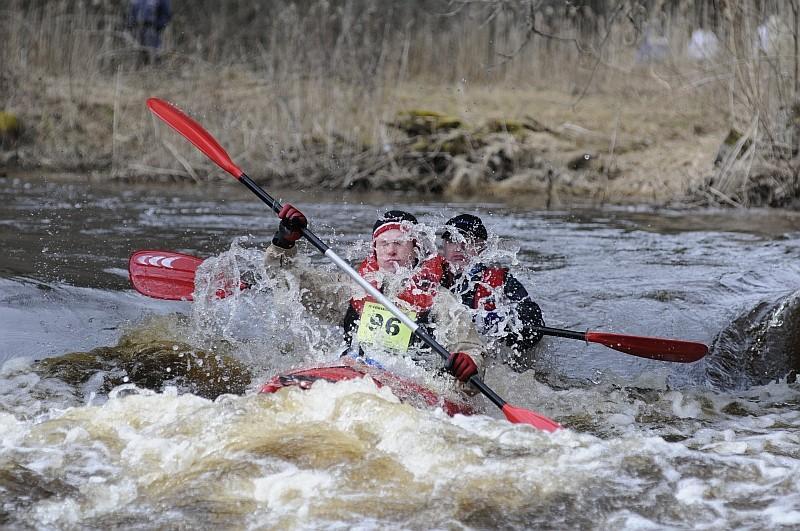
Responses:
[455,329]
[521,331]
[530,316]
[324,293]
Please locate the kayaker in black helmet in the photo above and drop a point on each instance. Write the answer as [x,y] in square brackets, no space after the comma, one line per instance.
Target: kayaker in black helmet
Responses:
[502,304]
[412,281]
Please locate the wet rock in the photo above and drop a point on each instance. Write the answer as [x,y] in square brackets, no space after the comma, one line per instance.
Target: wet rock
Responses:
[736,409]
[151,364]
[27,487]
[758,347]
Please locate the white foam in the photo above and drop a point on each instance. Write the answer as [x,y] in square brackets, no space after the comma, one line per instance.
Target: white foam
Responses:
[684,407]
[293,490]
[57,513]
[783,515]
[690,491]
[11,430]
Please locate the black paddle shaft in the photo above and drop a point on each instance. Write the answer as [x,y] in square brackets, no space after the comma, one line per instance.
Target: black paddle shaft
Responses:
[477,382]
[276,207]
[558,332]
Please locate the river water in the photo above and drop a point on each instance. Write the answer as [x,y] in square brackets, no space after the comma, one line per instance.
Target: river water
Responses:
[649,444]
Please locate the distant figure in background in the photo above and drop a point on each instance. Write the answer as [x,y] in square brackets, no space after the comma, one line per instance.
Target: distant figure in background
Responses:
[775,37]
[504,308]
[653,49]
[703,46]
[146,20]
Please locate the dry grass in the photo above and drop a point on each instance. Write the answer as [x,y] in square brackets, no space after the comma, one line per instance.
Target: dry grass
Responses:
[295,94]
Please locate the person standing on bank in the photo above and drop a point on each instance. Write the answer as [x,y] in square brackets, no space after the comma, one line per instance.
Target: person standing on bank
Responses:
[503,307]
[146,21]
[396,267]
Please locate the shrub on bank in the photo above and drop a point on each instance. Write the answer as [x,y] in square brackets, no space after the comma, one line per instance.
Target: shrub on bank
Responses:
[10,128]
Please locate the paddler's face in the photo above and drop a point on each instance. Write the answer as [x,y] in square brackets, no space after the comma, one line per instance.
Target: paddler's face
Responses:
[460,253]
[394,249]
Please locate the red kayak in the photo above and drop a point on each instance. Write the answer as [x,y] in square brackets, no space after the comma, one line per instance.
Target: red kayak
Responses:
[406,390]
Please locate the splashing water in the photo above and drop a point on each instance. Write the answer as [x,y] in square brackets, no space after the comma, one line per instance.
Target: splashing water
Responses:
[650,445]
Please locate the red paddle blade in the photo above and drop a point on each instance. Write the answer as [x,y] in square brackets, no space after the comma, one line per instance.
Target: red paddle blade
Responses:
[194,133]
[517,415]
[654,348]
[163,274]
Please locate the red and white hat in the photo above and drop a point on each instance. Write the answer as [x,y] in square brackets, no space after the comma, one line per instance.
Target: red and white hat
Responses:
[394,219]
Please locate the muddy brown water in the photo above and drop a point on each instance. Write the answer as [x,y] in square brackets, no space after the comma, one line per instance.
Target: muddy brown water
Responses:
[648,444]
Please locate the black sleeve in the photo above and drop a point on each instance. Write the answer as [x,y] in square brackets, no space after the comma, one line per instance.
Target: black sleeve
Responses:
[528,313]
[350,323]
[448,278]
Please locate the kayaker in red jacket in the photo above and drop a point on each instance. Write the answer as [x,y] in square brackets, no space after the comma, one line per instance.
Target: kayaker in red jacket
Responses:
[503,308]
[410,280]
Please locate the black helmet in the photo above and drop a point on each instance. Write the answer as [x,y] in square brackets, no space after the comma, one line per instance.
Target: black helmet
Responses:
[468,225]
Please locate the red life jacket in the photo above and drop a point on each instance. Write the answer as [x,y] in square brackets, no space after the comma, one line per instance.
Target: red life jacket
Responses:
[421,288]
[491,278]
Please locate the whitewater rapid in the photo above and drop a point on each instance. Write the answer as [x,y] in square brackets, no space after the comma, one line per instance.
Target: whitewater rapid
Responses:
[187,442]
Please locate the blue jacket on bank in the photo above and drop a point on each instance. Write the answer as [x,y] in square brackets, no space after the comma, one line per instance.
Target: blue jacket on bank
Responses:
[147,19]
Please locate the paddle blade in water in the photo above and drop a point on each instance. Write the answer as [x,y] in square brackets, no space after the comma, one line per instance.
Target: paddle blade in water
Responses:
[194,133]
[517,415]
[163,274]
[654,348]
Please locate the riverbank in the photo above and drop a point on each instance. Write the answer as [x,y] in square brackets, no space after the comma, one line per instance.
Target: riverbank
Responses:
[645,145]
[492,99]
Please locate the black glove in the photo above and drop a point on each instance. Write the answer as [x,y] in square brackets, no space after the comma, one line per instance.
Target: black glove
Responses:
[292,222]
